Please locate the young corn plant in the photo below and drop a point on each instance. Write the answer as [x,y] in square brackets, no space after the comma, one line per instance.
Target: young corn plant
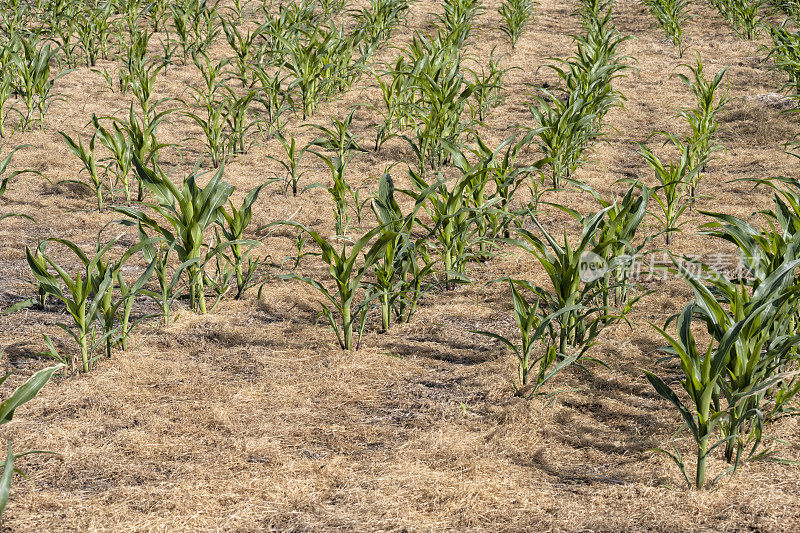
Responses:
[242,45]
[566,127]
[338,139]
[189,212]
[395,94]
[710,98]
[501,168]
[87,157]
[113,313]
[456,21]
[291,166]
[82,297]
[121,149]
[277,101]
[401,271]
[488,88]
[452,219]
[347,277]
[785,54]
[701,375]
[319,62]
[5,88]
[375,23]
[577,283]
[534,368]
[160,254]
[93,28]
[674,181]
[238,121]
[516,15]
[32,81]
[144,146]
[615,245]
[742,363]
[764,353]
[443,95]
[671,15]
[764,251]
[743,15]
[211,121]
[563,130]
[234,248]
[60,24]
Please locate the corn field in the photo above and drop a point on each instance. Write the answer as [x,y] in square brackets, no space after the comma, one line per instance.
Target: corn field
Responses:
[412,265]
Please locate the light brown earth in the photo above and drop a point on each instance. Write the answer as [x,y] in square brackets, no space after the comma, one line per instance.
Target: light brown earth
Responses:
[251,418]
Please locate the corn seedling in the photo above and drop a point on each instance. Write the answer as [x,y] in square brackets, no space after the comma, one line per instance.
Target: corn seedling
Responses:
[338,139]
[785,53]
[59,22]
[456,21]
[702,119]
[291,166]
[534,370]
[400,272]
[160,254]
[671,15]
[238,122]
[93,30]
[743,15]
[701,375]
[516,15]
[453,220]
[121,150]
[134,57]
[577,283]
[233,226]
[764,351]
[241,44]
[674,180]
[443,93]
[500,165]
[488,85]
[113,314]
[144,147]
[616,242]
[30,61]
[375,23]
[87,157]
[347,276]
[5,88]
[563,129]
[740,369]
[189,211]
[82,297]
[395,95]
[276,101]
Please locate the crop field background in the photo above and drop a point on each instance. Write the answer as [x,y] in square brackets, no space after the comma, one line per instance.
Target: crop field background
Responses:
[246,410]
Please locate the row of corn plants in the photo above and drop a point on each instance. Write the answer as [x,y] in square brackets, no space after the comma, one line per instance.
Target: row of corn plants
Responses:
[569,121]
[746,377]
[671,16]
[678,180]
[745,16]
